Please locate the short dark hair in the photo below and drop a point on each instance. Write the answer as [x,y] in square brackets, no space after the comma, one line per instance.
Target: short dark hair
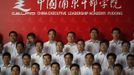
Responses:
[52,30]
[75,65]
[95,30]
[15,66]
[61,42]
[39,42]
[71,33]
[26,54]
[31,34]
[70,54]
[16,34]
[118,65]
[112,54]
[36,65]
[116,29]
[20,42]
[126,42]
[81,40]
[104,41]
[6,54]
[90,55]
[97,64]
[130,55]
[55,63]
[48,55]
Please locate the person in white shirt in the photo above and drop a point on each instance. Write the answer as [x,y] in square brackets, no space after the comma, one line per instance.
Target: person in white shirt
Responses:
[59,55]
[35,68]
[11,46]
[37,57]
[129,70]
[68,58]
[132,44]
[26,67]
[108,70]
[17,60]
[92,45]
[75,69]
[55,68]
[96,67]
[50,45]
[6,66]
[30,44]
[71,46]
[46,67]
[79,56]
[15,69]
[118,69]
[115,44]
[87,68]
[101,56]
[121,58]
[1,52]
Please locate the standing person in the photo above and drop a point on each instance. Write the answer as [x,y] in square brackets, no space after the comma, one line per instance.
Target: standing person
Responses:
[50,45]
[92,45]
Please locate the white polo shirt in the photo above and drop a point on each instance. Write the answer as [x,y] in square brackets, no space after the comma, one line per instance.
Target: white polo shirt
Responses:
[65,70]
[17,60]
[122,59]
[11,48]
[79,58]
[72,48]
[6,70]
[25,70]
[85,70]
[58,57]
[45,70]
[92,46]
[115,47]
[101,58]
[49,47]
[129,71]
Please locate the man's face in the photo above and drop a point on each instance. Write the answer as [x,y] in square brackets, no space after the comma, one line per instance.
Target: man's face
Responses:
[39,47]
[103,47]
[93,34]
[70,37]
[59,46]
[26,60]
[15,71]
[74,71]
[115,34]
[30,39]
[6,59]
[111,60]
[68,59]
[12,37]
[35,69]
[130,61]
[51,35]
[80,45]
[19,48]
[89,59]
[117,70]
[125,47]
[55,68]
[47,60]
[96,70]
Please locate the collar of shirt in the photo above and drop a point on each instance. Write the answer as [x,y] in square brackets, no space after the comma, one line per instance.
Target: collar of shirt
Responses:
[59,53]
[130,68]
[71,44]
[40,54]
[78,52]
[46,67]
[116,42]
[51,42]
[94,41]
[9,65]
[12,44]
[26,66]
[102,53]
[124,53]
[88,66]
